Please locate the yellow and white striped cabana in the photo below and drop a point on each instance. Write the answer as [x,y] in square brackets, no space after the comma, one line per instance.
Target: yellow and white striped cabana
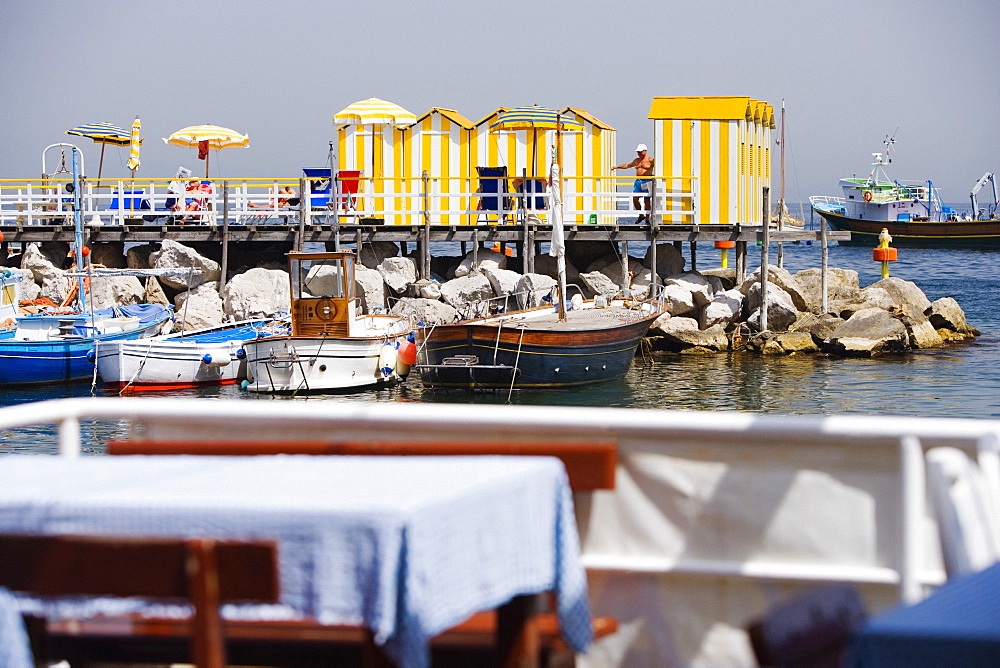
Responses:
[440,143]
[724,143]
[378,152]
[587,155]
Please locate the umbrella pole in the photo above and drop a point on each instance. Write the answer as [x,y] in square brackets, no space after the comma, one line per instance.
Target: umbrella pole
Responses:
[208,154]
[100,165]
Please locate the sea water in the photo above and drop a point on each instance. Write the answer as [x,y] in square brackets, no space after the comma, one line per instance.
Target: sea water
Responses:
[961,380]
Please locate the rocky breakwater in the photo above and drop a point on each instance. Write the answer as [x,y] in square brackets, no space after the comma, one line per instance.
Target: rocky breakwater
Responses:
[707,311]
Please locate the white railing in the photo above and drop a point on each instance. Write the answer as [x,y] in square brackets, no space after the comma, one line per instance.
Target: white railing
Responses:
[714,514]
[456,201]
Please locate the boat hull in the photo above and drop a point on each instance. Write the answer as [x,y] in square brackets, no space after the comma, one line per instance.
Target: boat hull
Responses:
[208,357]
[526,357]
[59,361]
[952,234]
[305,364]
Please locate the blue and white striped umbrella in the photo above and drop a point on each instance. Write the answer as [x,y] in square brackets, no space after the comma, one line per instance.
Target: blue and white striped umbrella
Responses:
[103,133]
[534,118]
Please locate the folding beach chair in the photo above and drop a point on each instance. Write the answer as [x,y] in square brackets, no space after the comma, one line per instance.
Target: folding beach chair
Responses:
[348,183]
[493,188]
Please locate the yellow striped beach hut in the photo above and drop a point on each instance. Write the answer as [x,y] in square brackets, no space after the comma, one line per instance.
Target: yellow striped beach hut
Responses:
[440,142]
[378,152]
[587,155]
[716,147]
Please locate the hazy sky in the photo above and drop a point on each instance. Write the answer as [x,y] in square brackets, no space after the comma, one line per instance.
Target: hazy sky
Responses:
[850,73]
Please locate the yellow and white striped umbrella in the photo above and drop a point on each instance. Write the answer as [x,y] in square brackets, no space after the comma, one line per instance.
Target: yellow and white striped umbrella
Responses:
[217,138]
[374,111]
[207,137]
[135,142]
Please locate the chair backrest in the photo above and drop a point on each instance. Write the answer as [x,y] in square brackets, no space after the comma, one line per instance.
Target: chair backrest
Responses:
[205,572]
[967,518]
[492,180]
[590,465]
[130,201]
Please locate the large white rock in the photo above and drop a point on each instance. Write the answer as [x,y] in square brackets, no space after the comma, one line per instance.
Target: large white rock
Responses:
[399,273]
[154,292]
[867,333]
[504,281]
[39,264]
[29,288]
[372,253]
[781,312]
[257,293]
[613,270]
[56,287]
[702,289]
[173,255]
[198,308]
[370,289]
[424,311]
[723,310]
[108,291]
[533,288]
[598,283]
[486,257]
[669,261]
[678,299]
[904,292]
[779,276]
[841,285]
[468,294]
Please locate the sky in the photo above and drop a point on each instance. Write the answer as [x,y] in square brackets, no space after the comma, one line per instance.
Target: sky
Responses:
[850,74]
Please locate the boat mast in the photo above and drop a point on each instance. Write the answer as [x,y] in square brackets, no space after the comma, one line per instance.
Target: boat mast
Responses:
[781,194]
[78,230]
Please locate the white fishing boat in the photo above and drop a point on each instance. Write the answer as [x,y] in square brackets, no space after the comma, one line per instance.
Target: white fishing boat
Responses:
[209,356]
[332,347]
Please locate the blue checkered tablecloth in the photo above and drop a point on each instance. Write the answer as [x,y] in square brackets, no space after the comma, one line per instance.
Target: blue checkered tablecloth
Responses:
[407,546]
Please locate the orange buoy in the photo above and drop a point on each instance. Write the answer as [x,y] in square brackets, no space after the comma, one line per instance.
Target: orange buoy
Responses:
[724,246]
[884,254]
[1,237]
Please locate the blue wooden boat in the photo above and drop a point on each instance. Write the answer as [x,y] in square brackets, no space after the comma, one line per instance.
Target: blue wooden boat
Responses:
[52,348]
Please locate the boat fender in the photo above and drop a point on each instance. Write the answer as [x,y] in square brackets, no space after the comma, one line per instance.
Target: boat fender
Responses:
[241,354]
[92,356]
[387,359]
[207,360]
[868,195]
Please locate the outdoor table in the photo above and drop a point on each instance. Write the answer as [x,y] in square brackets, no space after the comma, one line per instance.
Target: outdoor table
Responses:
[405,546]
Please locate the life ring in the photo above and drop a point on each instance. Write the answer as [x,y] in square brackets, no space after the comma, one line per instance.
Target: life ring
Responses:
[326,309]
[868,195]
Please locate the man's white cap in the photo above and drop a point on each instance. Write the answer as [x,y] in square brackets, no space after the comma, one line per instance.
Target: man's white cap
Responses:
[640,147]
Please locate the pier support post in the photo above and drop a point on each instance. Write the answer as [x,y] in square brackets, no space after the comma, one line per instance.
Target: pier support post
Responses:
[303,213]
[764,260]
[653,231]
[425,251]
[693,249]
[357,242]
[225,236]
[825,257]
[741,262]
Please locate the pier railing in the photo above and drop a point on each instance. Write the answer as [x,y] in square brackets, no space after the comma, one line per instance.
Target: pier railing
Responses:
[448,201]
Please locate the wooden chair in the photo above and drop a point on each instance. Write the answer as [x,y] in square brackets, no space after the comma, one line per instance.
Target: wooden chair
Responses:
[204,572]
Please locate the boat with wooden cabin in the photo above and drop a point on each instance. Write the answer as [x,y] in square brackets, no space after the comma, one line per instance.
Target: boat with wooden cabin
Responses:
[332,346]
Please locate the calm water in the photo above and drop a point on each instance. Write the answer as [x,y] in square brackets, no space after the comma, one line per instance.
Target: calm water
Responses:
[959,381]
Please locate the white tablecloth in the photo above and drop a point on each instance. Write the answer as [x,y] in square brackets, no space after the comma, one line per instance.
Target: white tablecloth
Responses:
[407,546]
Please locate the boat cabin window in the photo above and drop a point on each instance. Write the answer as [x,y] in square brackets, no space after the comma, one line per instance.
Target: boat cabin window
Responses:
[323,279]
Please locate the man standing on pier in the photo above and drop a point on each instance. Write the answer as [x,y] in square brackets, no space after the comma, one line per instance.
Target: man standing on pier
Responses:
[643,187]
